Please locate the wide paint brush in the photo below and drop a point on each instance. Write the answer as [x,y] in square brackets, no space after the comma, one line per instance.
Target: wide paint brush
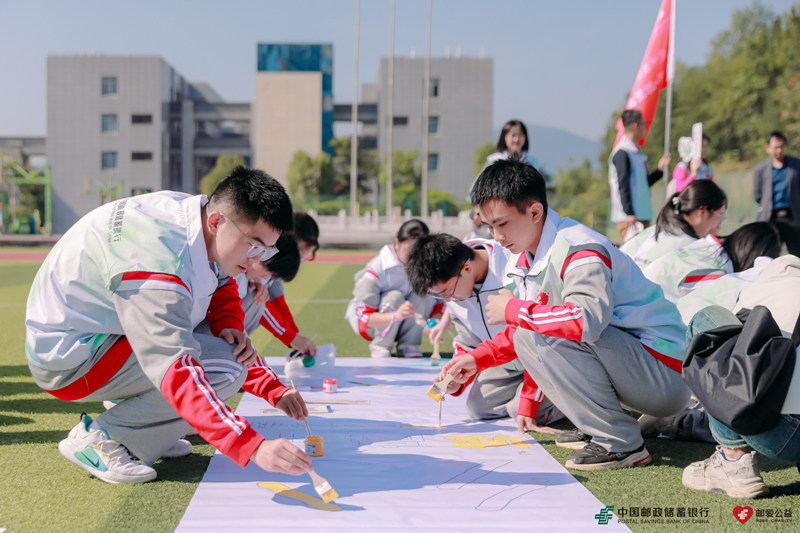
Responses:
[435,357]
[323,488]
[438,390]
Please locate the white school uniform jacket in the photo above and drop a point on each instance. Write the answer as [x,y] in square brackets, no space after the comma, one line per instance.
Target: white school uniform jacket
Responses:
[723,291]
[383,273]
[274,315]
[576,285]
[644,248]
[778,289]
[679,272]
[139,268]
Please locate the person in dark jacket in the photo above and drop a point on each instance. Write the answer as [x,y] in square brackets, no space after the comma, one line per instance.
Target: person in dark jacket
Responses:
[776,188]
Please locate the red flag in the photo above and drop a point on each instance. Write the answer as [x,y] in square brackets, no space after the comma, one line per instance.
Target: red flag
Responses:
[657,67]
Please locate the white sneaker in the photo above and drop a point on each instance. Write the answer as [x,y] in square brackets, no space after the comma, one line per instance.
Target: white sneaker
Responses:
[738,479]
[109,404]
[105,459]
[179,449]
[379,352]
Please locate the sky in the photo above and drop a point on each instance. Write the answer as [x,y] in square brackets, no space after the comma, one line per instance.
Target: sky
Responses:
[566,64]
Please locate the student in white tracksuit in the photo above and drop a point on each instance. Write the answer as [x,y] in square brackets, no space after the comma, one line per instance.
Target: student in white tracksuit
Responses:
[733,468]
[750,248]
[593,333]
[680,272]
[384,310]
[464,275]
[263,301]
[692,214]
[112,315]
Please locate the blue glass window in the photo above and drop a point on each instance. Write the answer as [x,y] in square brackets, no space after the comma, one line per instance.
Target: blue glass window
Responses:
[110,123]
[109,86]
[433,124]
[433,162]
[109,160]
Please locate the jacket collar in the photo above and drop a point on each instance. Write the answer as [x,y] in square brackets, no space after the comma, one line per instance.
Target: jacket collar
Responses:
[542,256]
[389,258]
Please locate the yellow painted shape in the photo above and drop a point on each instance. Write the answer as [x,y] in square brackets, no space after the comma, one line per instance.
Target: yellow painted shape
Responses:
[315,503]
[480,442]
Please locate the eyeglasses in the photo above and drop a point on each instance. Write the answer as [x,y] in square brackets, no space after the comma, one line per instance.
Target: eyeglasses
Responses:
[255,250]
[722,216]
[452,296]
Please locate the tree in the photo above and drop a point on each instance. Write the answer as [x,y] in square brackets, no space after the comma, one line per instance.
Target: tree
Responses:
[481,153]
[367,166]
[406,179]
[223,167]
[582,193]
[747,88]
[309,176]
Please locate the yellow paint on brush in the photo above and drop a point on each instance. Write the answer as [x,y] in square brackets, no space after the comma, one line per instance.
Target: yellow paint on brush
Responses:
[434,394]
[315,503]
[480,442]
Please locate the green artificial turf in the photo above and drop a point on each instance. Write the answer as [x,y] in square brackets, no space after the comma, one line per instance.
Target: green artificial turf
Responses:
[41,491]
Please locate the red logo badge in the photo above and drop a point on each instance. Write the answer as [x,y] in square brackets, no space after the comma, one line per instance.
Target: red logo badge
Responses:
[742,514]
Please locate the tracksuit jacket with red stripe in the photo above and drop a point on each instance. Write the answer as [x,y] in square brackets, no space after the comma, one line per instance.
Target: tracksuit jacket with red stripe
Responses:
[136,272]
[274,315]
[576,285]
[472,324]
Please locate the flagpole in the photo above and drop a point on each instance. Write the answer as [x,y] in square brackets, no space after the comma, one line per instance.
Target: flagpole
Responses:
[670,77]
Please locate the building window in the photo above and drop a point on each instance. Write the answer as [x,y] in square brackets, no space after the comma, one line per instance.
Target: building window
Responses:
[109,160]
[137,191]
[142,156]
[400,121]
[433,124]
[433,162]
[141,119]
[434,88]
[110,123]
[109,85]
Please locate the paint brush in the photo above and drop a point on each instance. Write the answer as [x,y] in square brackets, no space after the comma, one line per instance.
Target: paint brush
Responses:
[305,421]
[323,488]
[435,357]
[440,413]
[295,353]
[438,390]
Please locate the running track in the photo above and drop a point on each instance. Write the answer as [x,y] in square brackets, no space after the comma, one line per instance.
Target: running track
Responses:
[349,259]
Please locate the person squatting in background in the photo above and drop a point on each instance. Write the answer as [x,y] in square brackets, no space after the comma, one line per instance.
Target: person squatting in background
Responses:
[691,214]
[384,310]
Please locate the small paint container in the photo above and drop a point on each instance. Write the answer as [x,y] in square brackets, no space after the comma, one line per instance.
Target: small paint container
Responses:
[315,447]
[330,385]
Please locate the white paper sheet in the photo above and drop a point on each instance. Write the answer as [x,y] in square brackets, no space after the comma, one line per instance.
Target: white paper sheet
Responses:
[466,476]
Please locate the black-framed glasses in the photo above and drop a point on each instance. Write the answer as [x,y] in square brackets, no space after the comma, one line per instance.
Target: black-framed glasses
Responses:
[255,250]
[452,296]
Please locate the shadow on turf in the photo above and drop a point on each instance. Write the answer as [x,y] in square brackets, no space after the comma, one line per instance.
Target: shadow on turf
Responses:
[33,437]
[14,371]
[49,405]
[15,387]
[6,420]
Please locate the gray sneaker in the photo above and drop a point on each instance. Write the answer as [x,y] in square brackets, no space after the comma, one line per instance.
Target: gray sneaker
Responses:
[738,479]
[574,439]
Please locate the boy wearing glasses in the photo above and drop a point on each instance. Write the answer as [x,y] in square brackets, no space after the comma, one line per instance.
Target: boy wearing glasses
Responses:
[464,275]
[112,316]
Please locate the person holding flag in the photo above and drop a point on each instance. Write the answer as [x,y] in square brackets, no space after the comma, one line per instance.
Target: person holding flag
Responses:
[627,173]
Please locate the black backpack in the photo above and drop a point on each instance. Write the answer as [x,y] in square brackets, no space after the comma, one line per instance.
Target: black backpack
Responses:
[741,374]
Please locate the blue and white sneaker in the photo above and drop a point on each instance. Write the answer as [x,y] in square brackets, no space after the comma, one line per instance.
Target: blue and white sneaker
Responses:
[379,352]
[105,459]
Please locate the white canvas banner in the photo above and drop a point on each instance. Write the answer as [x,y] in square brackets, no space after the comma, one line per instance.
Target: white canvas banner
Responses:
[393,468]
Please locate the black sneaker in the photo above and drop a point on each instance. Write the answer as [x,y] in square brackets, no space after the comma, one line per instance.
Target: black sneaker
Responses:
[574,440]
[595,457]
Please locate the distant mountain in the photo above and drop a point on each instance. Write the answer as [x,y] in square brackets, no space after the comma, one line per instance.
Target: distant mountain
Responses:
[553,147]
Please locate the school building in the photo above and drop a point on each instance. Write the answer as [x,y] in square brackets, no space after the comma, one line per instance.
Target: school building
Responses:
[124,125]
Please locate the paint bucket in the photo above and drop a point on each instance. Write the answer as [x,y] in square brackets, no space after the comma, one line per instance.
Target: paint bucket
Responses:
[315,447]
[330,385]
